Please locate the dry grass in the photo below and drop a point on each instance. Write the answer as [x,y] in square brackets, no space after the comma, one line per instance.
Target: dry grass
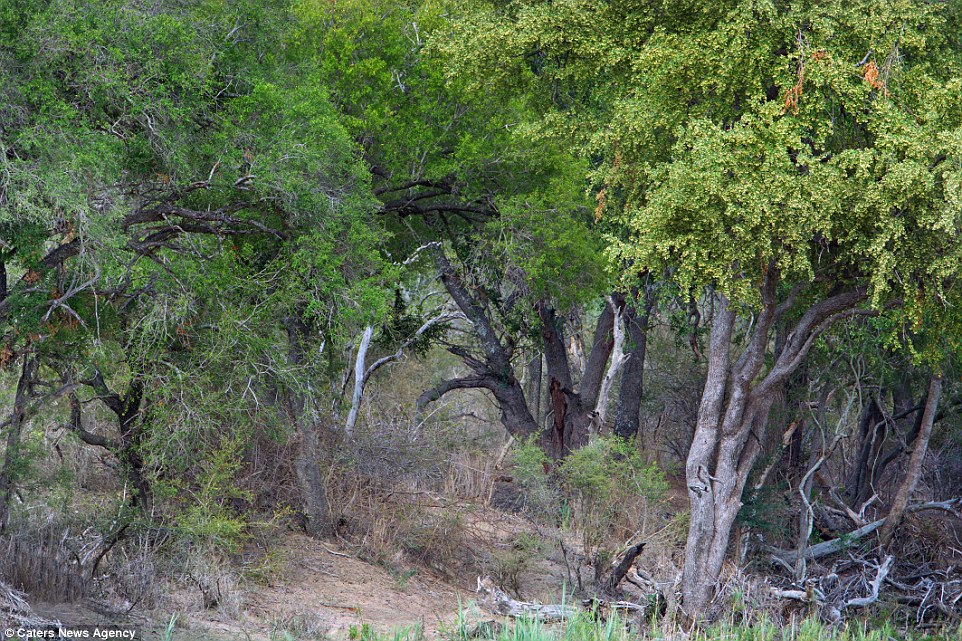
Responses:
[45,560]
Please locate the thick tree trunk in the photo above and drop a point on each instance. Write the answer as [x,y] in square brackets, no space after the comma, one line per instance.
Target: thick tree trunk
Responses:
[618,357]
[632,376]
[308,454]
[317,511]
[697,587]
[914,471]
[18,418]
[733,409]
[573,411]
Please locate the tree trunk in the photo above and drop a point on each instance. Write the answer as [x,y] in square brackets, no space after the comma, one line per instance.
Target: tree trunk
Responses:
[131,440]
[698,585]
[493,369]
[18,418]
[317,511]
[308,454]
[914,471]
[632,376]
[732,410]
[573,411]
[617,358]
[127,409]
[534,386]
[871,432]
[359,380]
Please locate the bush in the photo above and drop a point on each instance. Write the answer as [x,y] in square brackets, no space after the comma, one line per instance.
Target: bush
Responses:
[611,492]
[508,566]
[603,493]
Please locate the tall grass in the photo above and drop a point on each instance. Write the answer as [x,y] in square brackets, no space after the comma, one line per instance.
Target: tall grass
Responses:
[586,627]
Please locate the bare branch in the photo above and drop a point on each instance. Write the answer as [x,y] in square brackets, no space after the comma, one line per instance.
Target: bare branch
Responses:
[875,584]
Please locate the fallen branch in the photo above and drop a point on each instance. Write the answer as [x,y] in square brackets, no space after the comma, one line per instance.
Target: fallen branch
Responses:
[875,584]
[847,540]
[500,603]
[620,569]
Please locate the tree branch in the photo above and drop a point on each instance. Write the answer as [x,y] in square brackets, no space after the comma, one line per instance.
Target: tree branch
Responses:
[468,382]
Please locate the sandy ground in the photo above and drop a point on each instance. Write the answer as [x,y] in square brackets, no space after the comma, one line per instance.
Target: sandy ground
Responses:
[341,591]
[320,592]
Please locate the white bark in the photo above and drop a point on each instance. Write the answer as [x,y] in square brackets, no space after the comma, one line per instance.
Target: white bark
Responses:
[876,584]
[496,600]
[362,375]
[617,361]
[359,370]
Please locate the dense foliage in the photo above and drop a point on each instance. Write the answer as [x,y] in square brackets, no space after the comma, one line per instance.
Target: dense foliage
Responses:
[221,223]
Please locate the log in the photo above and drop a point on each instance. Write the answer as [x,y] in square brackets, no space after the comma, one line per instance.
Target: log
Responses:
[826,548]
[498,601]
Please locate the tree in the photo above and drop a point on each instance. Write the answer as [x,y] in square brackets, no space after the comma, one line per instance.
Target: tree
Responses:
[503,219]
[783,163]
[200,195]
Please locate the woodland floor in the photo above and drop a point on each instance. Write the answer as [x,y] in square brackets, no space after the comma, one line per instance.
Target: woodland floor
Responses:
[320,590]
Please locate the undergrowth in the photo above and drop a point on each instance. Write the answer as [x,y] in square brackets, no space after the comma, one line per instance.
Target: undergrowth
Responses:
[587,627]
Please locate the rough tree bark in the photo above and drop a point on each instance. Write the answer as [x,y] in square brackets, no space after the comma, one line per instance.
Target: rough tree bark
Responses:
[732,409]
[914,471]
[632,376]
[308,456]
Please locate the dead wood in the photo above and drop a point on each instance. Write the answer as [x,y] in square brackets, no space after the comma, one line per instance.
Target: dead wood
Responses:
[876,584]
[15,610]
[826,548]
[621,567]
[498,601]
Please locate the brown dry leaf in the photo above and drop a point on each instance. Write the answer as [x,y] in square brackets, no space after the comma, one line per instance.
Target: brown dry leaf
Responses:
[602,201]
[871,76]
